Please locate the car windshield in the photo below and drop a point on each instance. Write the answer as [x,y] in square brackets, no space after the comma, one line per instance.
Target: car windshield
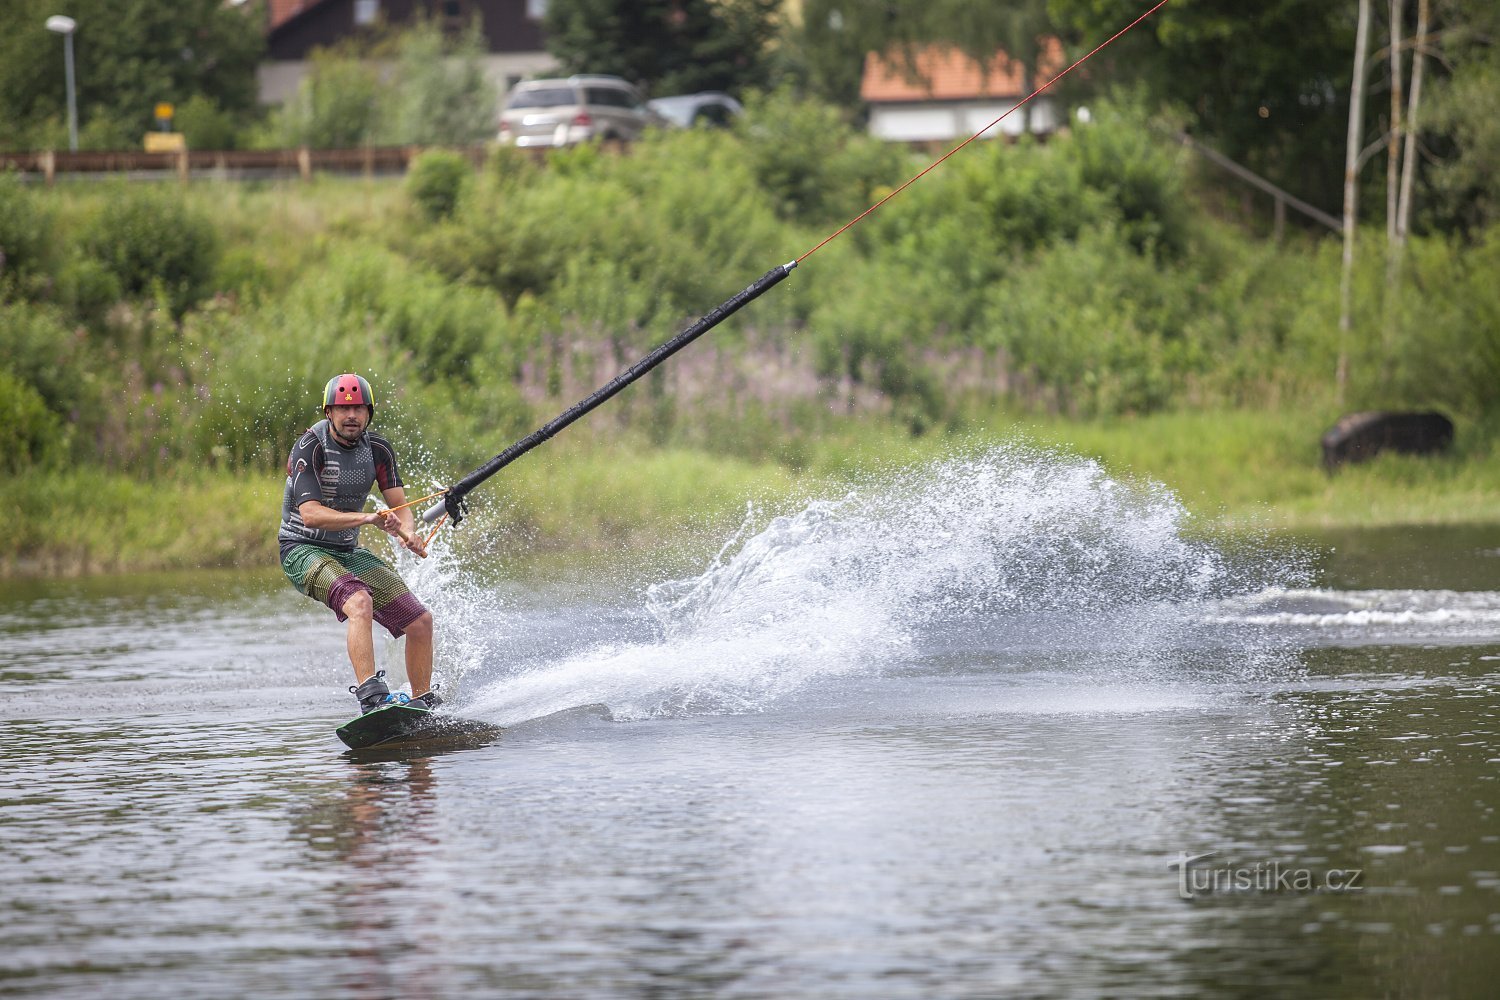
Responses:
[543,97]
[679,109]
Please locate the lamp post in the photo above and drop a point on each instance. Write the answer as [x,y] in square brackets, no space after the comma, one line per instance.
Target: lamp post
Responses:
[65,26]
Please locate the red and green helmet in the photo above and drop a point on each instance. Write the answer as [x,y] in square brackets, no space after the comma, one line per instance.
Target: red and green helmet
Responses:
[348,390]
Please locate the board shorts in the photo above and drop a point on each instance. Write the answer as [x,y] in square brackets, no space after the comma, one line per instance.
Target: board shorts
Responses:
[331,577]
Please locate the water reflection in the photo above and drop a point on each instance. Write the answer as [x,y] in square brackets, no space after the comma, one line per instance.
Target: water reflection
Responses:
[377,834]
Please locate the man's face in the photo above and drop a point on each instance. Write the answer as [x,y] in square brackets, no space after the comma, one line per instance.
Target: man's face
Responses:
[349,421]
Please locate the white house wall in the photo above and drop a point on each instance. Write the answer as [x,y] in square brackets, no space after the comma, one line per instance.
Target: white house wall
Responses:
[928,122]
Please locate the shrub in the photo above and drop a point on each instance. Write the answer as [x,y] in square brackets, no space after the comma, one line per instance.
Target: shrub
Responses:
[205,125]
[438,92]
[150,241]
[29,433]
[335,106]
[436,180]
[814,165]
[25,238]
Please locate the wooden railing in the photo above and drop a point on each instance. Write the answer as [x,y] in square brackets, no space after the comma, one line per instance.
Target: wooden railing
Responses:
[235,164]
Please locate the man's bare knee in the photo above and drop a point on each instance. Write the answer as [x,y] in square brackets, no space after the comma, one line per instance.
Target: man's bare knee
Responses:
[420,627]
[359,606]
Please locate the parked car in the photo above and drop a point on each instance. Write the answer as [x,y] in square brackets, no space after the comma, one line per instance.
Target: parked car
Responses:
[563,112]
[710,108]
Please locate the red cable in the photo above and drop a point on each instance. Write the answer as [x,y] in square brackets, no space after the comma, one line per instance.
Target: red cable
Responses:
[933,165]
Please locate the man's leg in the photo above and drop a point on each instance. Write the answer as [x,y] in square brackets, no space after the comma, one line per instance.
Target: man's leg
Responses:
[419,654]
[361,613]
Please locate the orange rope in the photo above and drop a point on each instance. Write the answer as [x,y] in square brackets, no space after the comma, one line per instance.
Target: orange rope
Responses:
[413,503]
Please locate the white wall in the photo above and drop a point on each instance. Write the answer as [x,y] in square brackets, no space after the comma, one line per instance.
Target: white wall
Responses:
[957,120]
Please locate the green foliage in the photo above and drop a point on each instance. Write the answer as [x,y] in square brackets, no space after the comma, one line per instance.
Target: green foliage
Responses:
[810,160]
[336,105]
[38,348]
[1100,328]
[435,181]
[25,238]
[29,432]
[129,55]
[439,92]
[88,288]
[1270,91]
[154,244]
[1446,353]
[668,46]
[678,219]
[205,125]
[1465,109]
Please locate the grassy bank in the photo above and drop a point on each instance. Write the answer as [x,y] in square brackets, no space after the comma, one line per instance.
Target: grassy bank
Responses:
[585,497]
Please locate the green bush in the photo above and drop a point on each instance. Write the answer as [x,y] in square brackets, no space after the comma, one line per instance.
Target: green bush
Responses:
[154,244]
[336,106]
[30,434]
[812,163]
[25,238]
[205,125]
[436,180]
[438,92]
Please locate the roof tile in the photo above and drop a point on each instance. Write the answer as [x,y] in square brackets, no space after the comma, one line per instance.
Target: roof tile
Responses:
[945,74]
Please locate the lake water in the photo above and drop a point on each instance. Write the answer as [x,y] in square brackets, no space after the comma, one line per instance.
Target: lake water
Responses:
[998,727]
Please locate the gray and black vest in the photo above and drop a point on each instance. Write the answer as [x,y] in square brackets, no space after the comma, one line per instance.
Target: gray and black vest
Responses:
[339,476]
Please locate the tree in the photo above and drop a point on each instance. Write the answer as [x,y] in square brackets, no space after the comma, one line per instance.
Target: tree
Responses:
[1266,84]
[1464,122]
[438,93]
[130,55]
[666,46]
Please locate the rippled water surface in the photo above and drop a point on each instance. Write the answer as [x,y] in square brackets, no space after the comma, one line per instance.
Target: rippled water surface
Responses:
[997,727]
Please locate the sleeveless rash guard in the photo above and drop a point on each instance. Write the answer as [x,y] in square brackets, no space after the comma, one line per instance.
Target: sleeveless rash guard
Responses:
[320,468]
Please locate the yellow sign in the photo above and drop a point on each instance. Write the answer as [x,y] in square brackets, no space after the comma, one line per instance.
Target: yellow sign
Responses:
[165,142]
[164,110]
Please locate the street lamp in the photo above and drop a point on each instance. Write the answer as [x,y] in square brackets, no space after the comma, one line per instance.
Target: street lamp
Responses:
[65,25]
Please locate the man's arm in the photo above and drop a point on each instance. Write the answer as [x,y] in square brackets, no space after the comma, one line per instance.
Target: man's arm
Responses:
[316,514]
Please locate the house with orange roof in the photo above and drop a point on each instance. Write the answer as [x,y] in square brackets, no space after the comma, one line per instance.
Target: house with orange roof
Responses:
[939,93]
[512,31]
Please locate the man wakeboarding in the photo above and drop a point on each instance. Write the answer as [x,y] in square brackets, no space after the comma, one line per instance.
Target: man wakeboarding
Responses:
[329,475]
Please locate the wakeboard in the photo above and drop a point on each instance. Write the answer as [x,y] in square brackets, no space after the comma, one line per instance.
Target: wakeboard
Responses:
[402,726]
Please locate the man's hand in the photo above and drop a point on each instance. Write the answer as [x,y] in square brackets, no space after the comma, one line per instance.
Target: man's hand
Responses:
[391,523]
[386,521]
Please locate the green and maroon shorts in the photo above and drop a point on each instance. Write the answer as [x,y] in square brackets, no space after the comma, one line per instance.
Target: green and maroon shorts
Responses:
[332,577]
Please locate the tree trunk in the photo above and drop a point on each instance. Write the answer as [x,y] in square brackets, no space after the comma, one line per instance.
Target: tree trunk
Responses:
[1351,169]
[1389,301]
[1409,168]
[1393,138]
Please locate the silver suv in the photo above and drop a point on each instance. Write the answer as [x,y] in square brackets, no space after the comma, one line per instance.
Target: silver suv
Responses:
[573,110]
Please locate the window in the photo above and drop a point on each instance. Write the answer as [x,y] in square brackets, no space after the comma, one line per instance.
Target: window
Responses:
[536,9]
[609,97]
[543,97]
[365,12]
